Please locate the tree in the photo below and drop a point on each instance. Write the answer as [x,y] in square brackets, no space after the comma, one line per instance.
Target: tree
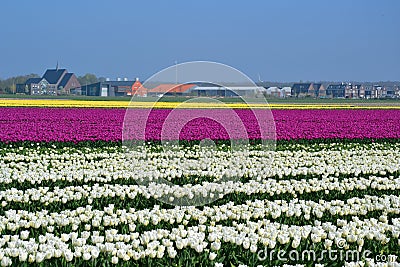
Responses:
[88,78]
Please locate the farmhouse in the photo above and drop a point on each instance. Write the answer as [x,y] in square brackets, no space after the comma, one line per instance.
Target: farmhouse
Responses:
[33,86]
[53,82]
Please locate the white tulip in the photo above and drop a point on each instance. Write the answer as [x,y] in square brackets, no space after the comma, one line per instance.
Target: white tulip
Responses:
[114,260]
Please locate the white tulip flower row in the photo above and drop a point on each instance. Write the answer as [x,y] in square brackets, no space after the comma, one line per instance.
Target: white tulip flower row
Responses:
[272,187]
[203,239]
[15,220]
[94,165]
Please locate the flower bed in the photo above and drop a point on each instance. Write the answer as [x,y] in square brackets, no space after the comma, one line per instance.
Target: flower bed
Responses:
[82,205]
[72,193]
[74,124]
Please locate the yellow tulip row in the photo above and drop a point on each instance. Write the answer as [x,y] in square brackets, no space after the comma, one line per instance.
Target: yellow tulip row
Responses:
[66,103]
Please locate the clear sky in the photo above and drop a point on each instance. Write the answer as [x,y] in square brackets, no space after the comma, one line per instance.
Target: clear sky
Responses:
[280,40]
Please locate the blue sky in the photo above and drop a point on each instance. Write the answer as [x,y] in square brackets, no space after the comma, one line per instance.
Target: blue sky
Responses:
[280,40]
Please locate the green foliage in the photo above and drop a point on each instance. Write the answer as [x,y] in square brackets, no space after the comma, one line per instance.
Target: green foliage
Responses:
[312,144]
[9,85]
[88,78]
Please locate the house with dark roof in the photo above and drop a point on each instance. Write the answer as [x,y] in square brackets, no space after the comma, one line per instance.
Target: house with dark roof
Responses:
[369,92]
[336,90]
[319,90]
[33,86]
[347,90]
[308,89]
[301,89]
[53,82]
[392,91]
[53,76]
[60,81]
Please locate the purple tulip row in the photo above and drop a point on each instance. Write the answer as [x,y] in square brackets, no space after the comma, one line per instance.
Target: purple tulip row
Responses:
[74,124]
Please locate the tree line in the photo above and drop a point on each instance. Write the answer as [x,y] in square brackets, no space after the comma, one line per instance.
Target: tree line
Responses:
[89,78]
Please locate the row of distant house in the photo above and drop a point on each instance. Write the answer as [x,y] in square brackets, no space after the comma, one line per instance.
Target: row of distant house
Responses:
[61,82]
[344,90]
[299,90]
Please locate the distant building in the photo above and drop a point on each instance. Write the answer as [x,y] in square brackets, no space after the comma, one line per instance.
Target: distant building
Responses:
[369,92]
[336,90]
[346,90]
[108,88]
[53,82]
[137,89]
[319,90]
[273,91]
[380,91]
[301,89]
[392,91]
[170,89]
[354,91]
[308,89]
[286,92]
[33,86]
[228,91]
[60,81]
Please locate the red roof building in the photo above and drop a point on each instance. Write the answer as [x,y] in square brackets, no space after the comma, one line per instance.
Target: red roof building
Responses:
[137,89]
[170,88]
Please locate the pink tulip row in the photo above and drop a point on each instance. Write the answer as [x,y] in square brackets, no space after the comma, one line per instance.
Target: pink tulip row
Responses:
[74,124]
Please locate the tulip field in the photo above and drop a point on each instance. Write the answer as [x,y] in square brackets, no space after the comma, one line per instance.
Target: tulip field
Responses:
[72,193]
[93,124]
